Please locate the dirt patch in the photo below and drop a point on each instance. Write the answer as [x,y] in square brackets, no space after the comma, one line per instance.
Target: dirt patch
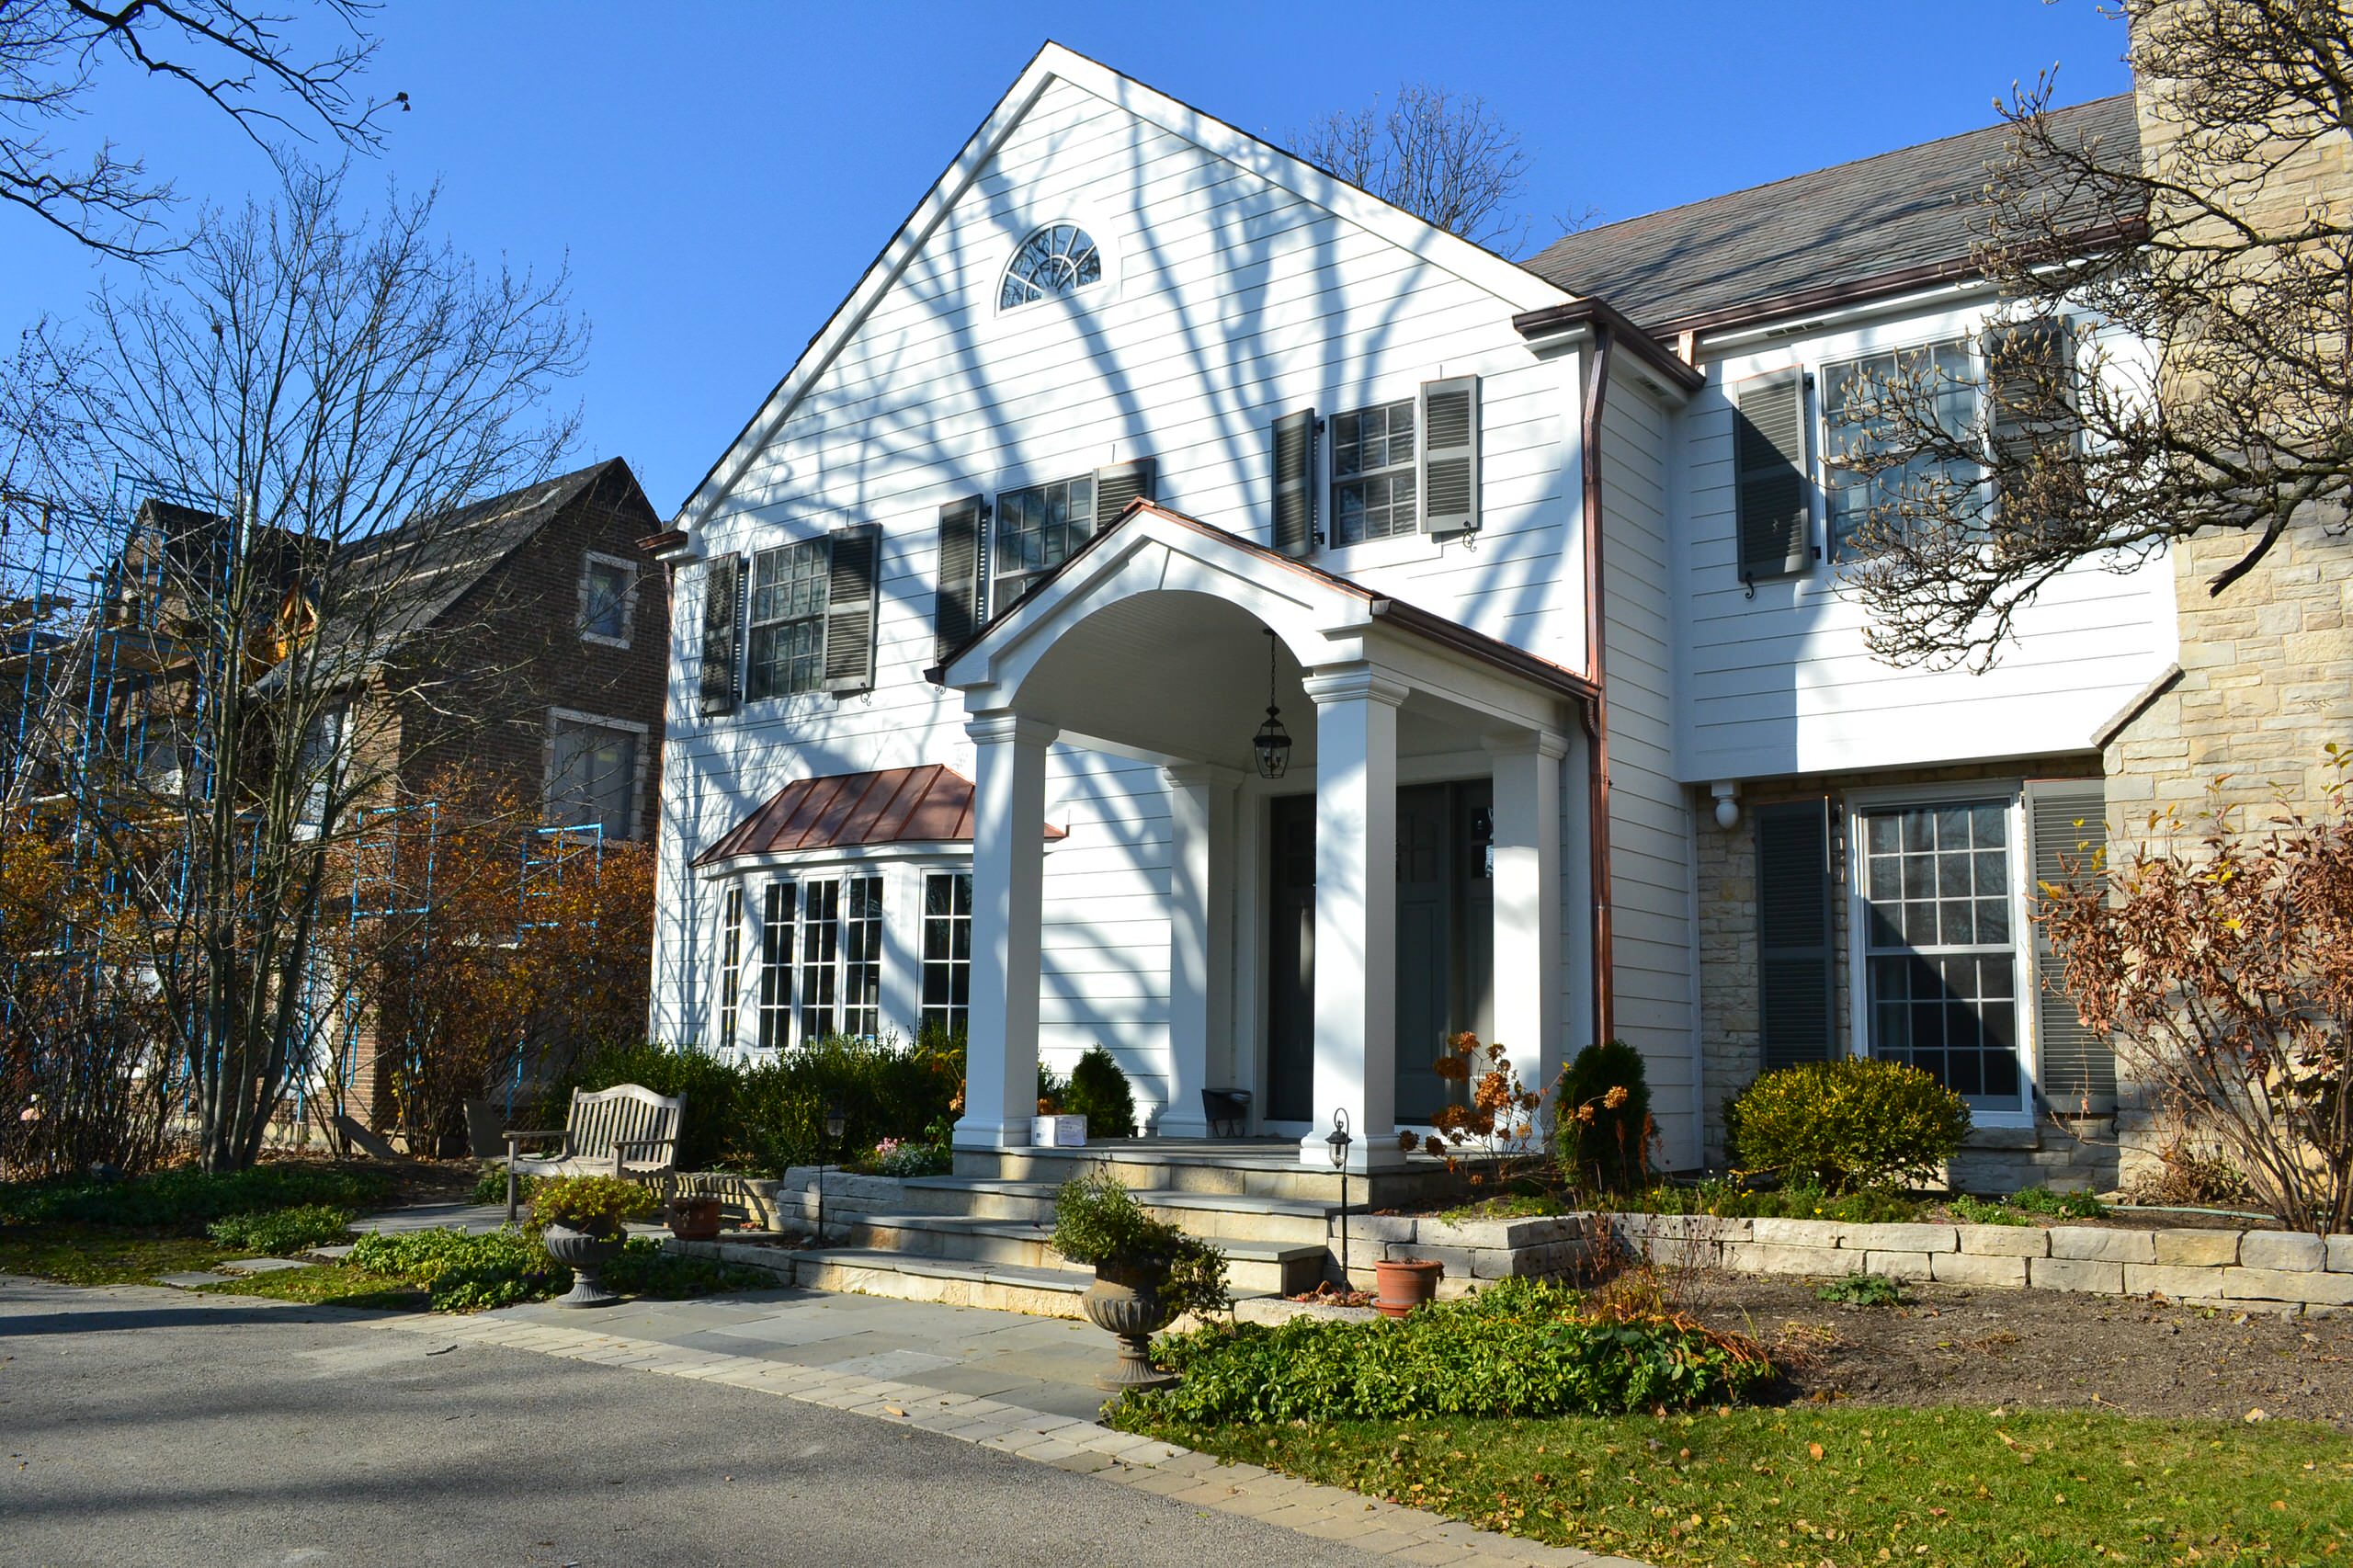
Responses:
[2046,1349]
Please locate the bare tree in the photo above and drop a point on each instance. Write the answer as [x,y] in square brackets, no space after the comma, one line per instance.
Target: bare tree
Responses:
[305,405]
[2210,396]
[1443,156]
[237,56]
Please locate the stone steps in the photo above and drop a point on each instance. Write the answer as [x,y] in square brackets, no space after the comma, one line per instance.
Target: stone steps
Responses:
[1252,1264]
[1211,1216]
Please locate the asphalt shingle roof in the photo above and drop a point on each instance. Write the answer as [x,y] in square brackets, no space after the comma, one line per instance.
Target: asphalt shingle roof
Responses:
[1849,223]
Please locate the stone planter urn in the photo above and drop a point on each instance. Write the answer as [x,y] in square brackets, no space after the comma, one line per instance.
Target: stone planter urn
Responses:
[586,1253]
[1125,1301]
[1406,1284]
[693,1218]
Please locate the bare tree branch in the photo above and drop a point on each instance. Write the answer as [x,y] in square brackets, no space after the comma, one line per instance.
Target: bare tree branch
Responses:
[1442,157]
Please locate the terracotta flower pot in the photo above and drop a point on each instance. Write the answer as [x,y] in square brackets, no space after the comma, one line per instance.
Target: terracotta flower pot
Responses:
[1125,1301]
[1406,1284]
[586,1253]
[693,1218]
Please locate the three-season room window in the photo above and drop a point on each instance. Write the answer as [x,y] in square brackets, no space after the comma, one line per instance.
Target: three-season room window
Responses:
[800,958]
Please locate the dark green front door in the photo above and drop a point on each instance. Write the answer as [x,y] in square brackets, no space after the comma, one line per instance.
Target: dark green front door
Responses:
[1291,967]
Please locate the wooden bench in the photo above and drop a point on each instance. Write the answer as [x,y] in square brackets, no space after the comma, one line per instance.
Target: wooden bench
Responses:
[621,1131]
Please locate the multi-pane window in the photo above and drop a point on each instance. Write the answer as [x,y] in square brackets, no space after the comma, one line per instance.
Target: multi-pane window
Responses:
[862,956]
[776,965]
[604,599]
[1057,261]
[1858,400]
[1372,473]
[947,949]
[1035,531]
[821,951]
[1940,946]
[788,620]
[731,963]
[592,778]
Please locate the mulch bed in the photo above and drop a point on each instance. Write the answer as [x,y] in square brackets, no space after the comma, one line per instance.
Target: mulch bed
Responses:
[2041,1349]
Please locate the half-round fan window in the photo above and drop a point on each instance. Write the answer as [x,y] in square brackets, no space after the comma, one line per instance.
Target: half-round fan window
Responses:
[1054,263]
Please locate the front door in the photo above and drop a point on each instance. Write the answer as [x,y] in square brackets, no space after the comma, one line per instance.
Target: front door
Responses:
[1290,969]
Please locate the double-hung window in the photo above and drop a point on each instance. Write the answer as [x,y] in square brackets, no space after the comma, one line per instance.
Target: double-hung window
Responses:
[1859,400]
[1037,528]
[1940,945]
[607,587]
[787,653]
[776,965]
[947,951]
[1372,473]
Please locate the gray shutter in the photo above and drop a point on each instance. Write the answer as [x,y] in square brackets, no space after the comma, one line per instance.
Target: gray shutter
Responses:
[850,602]
[1448,456]
[1769,467]
[722,613]
[1117,485]
[2030,373]
[1796,972]
[956,606]
[2067,828]
[1294,445]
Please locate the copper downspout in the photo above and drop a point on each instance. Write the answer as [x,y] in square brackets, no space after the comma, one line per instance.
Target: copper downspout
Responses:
[1597,712]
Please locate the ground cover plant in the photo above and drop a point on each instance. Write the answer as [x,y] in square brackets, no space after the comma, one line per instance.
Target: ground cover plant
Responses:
[1800,1486]
[283,1233]
[187,1201]
[75,1254]
[463,1273]
[1860,1290]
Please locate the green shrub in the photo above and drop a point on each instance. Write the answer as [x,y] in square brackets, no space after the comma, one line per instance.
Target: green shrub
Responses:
[1855,1122]
[2057,1205]
[462,1273]
[187,1201]
[708,1085]
[1603,1114]
[1054,1091]
[884,1088]
[491,1185]
[283,1233]
[644,1270]
[589,1202]
[1516,1349]
[1099,1092]
[1862,1290]
[1098,1221]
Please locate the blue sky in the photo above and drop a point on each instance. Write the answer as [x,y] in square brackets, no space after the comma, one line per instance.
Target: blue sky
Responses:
[720,176]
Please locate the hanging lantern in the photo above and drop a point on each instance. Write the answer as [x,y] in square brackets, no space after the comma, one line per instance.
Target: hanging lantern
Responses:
[1271,744]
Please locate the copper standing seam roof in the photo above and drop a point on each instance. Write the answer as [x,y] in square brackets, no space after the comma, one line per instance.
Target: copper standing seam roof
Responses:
[931,804]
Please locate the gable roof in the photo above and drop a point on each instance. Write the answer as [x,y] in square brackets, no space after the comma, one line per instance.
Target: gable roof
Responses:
[1520,289]
[931,804]
[1912,210]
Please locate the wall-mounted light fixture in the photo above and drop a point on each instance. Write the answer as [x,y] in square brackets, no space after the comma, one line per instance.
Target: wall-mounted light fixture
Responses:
[1727,794]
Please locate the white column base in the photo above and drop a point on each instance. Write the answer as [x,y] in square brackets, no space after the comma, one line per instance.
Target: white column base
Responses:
[1385,1155]
[971,1134]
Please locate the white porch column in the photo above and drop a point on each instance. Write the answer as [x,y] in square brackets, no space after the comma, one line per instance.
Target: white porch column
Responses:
[1008,879]
[1526,889]
[1355,912]
[1201,938]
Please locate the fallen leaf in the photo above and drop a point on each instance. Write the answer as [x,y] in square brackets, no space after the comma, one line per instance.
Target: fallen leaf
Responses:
[1815,1448]
[2257,1414]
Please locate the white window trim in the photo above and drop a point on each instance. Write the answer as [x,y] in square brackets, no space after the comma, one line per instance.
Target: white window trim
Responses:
[557,716]
[629,599]
[2012,793]
[1098,227]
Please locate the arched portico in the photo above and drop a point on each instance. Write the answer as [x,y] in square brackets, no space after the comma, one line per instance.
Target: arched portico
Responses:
[1152,640]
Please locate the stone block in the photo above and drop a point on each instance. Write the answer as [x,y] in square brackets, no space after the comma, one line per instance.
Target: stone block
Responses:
[2182,1283]
[2340,1255]
[2075,1274]
[1701,1228]
[1767,1257]
[1458,1260]
[1901,1238]
[2106,1246]
[1670,1252]
[2197,1249]
[1381,1227]
[2004,1241]
[1977,1269]
[1899,1265]
[1797,1233]
[2310,1286]
[2287,1251]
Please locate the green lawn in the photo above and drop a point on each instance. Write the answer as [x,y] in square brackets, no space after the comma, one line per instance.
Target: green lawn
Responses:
[329,1284]
[83,1254]
[1813,1487]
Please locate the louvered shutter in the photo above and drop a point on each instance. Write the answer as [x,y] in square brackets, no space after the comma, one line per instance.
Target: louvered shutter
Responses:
[722,613]
[1447,458]
[2030,370]
[1796,1002]
[850,601]
[1294,486]
[1769,467]
[1117,485]
[2068,832]
[956,605]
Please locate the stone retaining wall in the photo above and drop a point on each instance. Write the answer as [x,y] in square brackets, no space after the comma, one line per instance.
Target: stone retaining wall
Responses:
[793,1202]
[2270,1270]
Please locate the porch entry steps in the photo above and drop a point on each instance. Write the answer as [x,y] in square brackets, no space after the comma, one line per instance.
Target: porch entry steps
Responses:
[1252,1265]
[1225,1167]
[1214,1216]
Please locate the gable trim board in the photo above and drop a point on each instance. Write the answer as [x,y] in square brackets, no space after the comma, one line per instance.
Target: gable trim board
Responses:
[1519,289]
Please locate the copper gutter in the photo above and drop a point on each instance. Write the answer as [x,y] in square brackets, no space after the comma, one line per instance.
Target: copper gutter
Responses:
[1605,339]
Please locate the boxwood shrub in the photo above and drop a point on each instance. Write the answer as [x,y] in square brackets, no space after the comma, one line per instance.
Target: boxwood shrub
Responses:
[1843,1125]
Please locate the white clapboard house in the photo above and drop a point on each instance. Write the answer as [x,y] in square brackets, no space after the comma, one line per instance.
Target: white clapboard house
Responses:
[1144,449]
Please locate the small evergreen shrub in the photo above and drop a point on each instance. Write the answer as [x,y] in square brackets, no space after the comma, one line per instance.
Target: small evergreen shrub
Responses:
[1099,1092]
[1053,1090]
[283,1233]
[1852,1123]
[1603,1117]
[1516,1349]
[1097,1222]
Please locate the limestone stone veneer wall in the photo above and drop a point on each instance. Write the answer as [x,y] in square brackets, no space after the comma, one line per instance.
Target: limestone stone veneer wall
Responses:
[2270,1270]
